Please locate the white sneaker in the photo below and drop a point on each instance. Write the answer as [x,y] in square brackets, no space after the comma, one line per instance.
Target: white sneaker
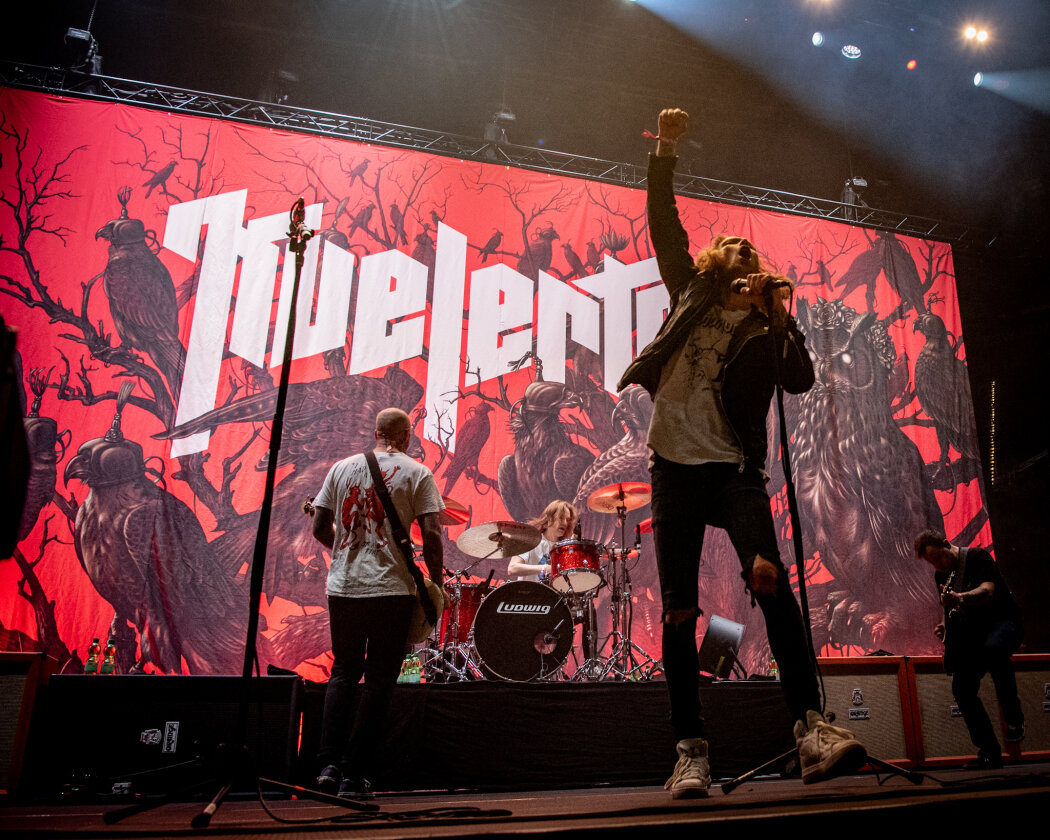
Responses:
[692,773]
[825,750]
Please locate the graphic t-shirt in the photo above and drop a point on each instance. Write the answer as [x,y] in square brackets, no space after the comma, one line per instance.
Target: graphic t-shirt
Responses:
[366,561]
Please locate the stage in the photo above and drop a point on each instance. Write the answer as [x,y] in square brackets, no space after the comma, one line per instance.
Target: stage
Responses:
[859,805]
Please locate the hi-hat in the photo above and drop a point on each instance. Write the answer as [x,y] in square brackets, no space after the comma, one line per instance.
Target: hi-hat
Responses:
[629,495]
[498,539]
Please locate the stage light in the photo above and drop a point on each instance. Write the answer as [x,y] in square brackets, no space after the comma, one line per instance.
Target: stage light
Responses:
[971,32]
[851,51]
[982,36]
[911,65]
[818,39]
[978,79]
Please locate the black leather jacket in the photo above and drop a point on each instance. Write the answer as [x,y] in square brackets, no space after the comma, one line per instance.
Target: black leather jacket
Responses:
[748,376]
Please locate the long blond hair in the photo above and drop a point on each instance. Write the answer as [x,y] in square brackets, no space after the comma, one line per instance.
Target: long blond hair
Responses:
[552,512]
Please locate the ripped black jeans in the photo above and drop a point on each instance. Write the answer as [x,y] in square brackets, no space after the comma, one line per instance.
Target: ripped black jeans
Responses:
[687,498]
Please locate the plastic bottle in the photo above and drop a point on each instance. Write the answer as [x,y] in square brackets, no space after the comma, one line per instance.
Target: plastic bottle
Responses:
[109,658]
[91,666]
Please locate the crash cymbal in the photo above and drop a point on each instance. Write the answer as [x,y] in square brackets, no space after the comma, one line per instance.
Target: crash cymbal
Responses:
[498,539]
[454,513]
[630,495]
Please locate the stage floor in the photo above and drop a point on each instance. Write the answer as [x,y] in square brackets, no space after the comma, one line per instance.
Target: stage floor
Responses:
[859,804]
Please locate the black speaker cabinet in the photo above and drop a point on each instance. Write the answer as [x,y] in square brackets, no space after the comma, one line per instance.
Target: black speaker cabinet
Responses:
[96,734]
[869,696]
[21,675]
[941,734]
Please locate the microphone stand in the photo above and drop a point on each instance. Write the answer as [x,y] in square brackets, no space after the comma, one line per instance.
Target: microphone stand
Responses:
[233,757]
[299,234]
[778,340]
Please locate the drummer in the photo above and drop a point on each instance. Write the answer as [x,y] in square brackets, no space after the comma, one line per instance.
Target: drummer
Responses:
[555,524]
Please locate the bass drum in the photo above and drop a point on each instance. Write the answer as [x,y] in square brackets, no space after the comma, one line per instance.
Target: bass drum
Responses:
[522,632]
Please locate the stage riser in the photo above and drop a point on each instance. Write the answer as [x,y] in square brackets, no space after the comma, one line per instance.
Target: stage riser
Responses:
[91,732]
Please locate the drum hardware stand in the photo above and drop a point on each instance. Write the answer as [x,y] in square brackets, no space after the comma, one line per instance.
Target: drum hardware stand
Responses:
[627,660]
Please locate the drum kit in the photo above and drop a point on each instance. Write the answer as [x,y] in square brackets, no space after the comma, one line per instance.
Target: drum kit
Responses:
[524,630]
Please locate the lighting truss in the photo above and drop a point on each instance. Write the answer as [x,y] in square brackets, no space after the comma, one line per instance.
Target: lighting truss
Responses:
[179,100]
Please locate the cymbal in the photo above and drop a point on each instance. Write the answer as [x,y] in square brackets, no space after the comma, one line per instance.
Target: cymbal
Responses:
[630,495]
[646,526]
[502,538]
[455,513]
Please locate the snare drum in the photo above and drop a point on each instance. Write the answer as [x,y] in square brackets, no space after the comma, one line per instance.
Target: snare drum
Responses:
[462,601]
[576,566]
[523,631]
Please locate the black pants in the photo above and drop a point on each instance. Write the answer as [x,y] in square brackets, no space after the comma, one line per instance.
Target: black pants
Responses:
[686,498]
[368,638]
[989,653]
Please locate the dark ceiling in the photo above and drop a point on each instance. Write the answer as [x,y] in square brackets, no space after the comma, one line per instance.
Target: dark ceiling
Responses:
[587,76]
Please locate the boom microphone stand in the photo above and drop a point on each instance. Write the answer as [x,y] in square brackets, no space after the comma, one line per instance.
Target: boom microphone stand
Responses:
[778,340]
[233,757]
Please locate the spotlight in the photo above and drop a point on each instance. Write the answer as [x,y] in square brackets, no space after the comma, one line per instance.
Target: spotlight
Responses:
[85,49]
[851,51]
[971,32]
[818,39]
[982,36]
[978,79]
[911,65]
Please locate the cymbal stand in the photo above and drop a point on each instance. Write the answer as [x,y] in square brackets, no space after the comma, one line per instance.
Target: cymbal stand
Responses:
[626,660]
[581,606]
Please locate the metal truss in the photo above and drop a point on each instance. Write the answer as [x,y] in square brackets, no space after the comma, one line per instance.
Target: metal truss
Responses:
[111,89]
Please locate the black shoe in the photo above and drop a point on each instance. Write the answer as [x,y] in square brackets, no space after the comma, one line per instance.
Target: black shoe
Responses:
[985,762]
[328,781]
[1015,734]
[356,788]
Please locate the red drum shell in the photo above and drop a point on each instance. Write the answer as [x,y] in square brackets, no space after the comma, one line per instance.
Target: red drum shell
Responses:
[576,566]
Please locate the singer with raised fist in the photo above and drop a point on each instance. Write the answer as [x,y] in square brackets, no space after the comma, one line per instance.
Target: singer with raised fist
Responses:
[711,373]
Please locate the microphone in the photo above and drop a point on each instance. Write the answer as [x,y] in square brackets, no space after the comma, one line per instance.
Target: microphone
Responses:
[577,532]
[297,228]
[739,286]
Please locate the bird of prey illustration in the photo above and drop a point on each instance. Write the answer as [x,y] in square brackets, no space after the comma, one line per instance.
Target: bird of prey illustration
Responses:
[625,460]
[146,553]
[471,438]
[942,385]
[863,491]
[539,253]
[324,420]
[141,295]
[594,256]
[491,245]
[545,464]
[358,171]
[158,178]
[398,218]
[574,261]
[46,447]
[361,219]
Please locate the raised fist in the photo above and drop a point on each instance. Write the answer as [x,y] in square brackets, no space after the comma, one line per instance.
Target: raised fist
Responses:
[673,122]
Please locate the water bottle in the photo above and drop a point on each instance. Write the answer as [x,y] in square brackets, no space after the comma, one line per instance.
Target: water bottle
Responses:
[109,658]
[91,666]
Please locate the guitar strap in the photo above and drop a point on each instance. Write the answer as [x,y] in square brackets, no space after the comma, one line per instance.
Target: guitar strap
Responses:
[404,544]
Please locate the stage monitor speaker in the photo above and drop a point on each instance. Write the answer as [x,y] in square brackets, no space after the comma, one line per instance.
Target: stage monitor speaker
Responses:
[941,734]
[1033,688]
[157,734]
[868,695]
[20,677]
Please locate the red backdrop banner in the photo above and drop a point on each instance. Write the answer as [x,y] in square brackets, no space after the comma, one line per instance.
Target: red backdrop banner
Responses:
[144,261]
